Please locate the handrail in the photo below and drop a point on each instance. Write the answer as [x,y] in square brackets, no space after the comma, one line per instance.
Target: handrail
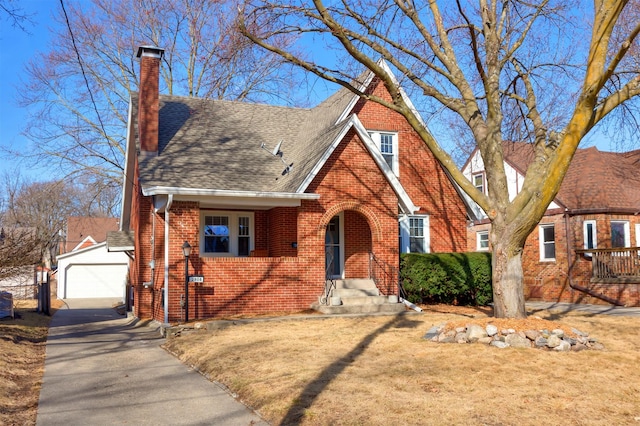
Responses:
[329,281]
[385,276]
[614,263]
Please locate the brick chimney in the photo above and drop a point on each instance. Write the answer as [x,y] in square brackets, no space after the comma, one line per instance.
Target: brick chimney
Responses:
[148,103]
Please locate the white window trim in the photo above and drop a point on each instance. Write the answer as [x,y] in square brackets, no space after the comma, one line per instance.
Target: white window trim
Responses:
[233,231]
[405,233]
[637,234]
[541,229]
[627,233]
[484,182]
[478,247]
[585,234]
[375,136]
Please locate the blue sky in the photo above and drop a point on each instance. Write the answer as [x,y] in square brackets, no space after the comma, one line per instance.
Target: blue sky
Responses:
[16,48]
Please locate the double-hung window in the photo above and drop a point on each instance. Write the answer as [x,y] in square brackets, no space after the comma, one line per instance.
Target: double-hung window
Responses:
[226,233]
[414,234]
[482,240]
[547,242]
[590,235]
[478,181]
[620,234]
[387,143]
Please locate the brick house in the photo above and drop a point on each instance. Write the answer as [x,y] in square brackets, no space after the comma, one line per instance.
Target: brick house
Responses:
[273,200]
[583,248]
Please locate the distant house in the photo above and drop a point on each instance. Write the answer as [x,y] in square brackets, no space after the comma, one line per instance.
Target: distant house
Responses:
[585,248]
[86,269]
[275,202]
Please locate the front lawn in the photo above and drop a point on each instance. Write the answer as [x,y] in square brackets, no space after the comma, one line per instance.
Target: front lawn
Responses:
[380,371]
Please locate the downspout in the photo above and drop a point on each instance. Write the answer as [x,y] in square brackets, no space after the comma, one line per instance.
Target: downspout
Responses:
[166,258]
[570,268]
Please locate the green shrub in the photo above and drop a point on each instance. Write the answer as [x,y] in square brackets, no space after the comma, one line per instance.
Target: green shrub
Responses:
[451,278]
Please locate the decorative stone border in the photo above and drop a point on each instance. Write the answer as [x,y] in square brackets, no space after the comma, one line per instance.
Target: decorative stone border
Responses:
[490,335]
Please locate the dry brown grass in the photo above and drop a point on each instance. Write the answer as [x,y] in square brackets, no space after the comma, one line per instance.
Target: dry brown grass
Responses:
[22,354]
[380,371]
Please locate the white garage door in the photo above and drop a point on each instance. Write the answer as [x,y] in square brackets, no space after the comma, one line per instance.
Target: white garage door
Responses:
[85,281]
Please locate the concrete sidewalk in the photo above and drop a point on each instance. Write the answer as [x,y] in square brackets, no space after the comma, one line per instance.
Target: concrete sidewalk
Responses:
[584,308]
[102,369]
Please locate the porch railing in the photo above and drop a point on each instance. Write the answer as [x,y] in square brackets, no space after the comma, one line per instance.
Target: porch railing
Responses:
[385,276]
[614,265]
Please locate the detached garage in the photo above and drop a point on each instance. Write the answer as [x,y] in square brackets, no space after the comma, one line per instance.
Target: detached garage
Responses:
[92,272]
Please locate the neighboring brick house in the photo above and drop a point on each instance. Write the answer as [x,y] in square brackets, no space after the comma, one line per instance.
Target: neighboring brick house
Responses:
[582,250]
[273,200]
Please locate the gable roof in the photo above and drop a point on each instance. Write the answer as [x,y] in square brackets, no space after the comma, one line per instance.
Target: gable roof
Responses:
[224,148]
[81,227]
[596,180]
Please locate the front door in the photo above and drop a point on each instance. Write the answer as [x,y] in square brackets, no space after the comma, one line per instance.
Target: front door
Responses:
[333,248]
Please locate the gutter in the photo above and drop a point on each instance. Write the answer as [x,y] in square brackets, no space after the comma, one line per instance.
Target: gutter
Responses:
[570,268]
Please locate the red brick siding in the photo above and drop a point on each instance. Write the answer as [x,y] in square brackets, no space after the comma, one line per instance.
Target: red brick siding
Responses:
[283,231]
[357,245]
[421,175]
[549,281]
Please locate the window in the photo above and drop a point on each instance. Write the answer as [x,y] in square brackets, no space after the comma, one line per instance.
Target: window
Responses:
[226,233]
[637,234]
[414,234]
[478,181]
[590,235]
[482,240]
[620,234]
[388,145]
[547,242]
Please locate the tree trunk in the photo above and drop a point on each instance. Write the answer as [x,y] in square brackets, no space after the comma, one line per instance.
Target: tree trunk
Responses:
[507,277]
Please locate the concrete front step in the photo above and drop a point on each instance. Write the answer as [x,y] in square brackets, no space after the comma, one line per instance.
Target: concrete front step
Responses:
[353,283]
[355,292]
[365,300]
[359,309]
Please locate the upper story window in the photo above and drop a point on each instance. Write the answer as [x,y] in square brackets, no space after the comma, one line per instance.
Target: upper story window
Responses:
[590,234]
[478,181]
[226,233]
[620,234]
[482,240]
[547,242]
[387,143]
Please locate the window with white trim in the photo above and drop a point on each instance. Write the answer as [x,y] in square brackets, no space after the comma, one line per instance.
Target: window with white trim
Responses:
[478,181]
[414,234]
[482,240]
[547,242]
[590,235]
[226,233]
[637,234]
[620,234]
[387,143]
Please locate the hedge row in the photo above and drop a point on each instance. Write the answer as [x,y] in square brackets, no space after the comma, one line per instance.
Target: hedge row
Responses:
[451,278]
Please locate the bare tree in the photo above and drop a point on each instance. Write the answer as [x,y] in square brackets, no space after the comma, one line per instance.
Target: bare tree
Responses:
[79,89]
[531,70]
[15,14]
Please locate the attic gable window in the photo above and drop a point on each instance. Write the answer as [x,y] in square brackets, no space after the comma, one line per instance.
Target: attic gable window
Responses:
[387,143]
[478,182]
[226,233]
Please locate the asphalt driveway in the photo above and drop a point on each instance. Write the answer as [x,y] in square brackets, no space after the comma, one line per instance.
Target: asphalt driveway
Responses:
[101,368]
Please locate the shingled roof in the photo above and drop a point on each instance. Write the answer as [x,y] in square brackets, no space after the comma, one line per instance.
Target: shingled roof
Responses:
[596,180]
[215,144]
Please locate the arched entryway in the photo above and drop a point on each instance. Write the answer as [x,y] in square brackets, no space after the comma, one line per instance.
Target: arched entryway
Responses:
[348,243]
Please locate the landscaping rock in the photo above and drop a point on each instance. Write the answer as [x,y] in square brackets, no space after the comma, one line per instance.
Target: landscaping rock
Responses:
[515,340]
[553,341]
[475,332]
[540,339]
[491,330]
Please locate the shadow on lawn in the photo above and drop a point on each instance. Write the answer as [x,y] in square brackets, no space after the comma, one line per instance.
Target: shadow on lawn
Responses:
[317,386]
